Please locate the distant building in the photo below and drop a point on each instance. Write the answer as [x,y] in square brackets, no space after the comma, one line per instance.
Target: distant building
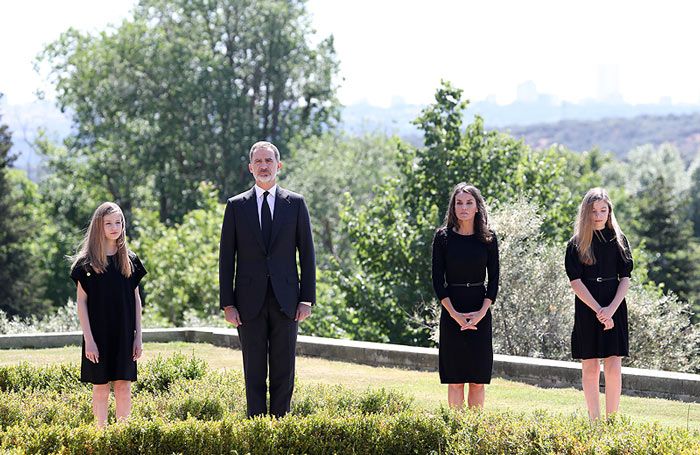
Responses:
[527,92]
[609,84]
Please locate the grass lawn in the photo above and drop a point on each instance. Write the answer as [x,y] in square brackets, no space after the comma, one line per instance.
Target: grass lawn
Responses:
[424,387]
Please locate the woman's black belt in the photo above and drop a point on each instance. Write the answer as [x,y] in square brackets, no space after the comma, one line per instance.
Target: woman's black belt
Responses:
[601,279]
[466,285]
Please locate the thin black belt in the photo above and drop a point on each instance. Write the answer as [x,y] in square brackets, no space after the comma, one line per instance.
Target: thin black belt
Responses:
[466,285]
[601,279]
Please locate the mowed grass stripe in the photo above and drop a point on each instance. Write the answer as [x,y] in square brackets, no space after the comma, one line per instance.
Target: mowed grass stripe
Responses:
[424,387]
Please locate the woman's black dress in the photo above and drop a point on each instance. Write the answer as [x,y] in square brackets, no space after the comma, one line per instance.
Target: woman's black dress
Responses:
[112,315]
[588,339]
[465,356]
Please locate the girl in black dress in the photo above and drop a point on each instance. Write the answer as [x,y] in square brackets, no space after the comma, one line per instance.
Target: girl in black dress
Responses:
[599,264]
[107,275]
[464,249]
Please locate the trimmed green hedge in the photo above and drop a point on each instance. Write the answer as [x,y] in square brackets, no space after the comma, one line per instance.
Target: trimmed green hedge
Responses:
[407,432]
[25,377]
[376,434]
[183,408]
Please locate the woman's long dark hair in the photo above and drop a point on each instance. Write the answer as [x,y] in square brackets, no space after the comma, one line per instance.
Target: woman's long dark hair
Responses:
[481,217]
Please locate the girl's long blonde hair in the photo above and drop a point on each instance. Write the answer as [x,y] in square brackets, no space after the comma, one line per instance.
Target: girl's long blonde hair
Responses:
[583,229]
[92,248]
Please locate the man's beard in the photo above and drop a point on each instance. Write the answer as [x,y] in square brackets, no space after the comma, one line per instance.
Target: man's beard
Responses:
[266,178]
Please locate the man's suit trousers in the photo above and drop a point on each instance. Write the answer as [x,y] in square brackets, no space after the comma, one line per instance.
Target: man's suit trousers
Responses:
[269,337]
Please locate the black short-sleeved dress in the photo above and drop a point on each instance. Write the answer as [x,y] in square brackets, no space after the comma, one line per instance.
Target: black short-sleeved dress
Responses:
[465,356]
[588,339]
[112,314]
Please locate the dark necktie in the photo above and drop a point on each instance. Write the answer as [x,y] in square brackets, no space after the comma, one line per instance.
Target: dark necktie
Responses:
[266,221]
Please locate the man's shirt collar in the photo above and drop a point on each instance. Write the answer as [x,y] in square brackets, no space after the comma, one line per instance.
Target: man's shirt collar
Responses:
[259,191]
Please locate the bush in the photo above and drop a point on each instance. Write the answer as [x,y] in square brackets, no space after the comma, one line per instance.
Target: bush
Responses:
[64,319]
[157,375]
[334,400]
[403,433]
[28,378]
[661,333]
[188,409]
[540,433]
[533,314]
[47,408]
[182,261]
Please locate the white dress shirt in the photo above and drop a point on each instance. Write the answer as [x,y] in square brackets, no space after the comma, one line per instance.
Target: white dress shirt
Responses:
[271,202]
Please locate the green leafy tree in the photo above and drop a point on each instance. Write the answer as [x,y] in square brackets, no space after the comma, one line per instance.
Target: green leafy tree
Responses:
[646,164]
[694,171]
[534,317]
[585,169]
[12,261]
[6,160]
[390,286]
[668,237]
[656,198]
[176,93]
[182,261]
[21,288]
[694,209]
[68,197]
[323,169]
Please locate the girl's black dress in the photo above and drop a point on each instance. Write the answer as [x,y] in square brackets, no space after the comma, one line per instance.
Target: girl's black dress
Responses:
[465,356]
[112,314]
[588,339]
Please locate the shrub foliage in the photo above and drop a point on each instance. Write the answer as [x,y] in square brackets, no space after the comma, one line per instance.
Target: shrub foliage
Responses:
[46,410]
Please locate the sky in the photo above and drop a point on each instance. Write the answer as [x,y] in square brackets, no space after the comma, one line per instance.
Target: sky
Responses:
[390,51]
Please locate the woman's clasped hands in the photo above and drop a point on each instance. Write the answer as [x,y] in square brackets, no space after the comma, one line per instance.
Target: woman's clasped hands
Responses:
[604,315]
[468,321]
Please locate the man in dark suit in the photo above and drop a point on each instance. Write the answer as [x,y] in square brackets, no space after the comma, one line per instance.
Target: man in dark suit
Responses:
[261,290]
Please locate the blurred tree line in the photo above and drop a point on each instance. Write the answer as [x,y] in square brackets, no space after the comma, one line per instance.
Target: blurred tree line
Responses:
[165,106]
[618,135]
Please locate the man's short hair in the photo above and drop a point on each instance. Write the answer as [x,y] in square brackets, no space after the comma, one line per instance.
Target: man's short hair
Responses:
[263,145]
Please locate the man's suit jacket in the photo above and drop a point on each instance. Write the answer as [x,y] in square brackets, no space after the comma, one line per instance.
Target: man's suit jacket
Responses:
[243,256]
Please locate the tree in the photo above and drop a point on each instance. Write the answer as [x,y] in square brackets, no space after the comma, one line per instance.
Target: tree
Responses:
[660,328]
[544,299]
[694,172]
[668,237]
[177,93]
[390,285]
[182,261]
[68,197]
[694,208]
[323,169]
[20,292]
[657,200]
[647,163]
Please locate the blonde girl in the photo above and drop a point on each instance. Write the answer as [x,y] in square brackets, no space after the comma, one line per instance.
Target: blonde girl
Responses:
[599,265]
[107,276]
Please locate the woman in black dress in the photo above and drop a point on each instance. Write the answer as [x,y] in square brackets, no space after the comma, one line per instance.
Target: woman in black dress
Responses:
[464,249]
[107,275]
[599,265]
